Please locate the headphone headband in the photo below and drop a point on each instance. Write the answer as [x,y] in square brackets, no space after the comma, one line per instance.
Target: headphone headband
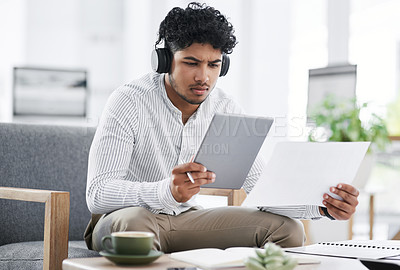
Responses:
[161,60]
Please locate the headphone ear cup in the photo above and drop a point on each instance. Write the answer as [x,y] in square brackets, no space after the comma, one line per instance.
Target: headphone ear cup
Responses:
[225,65]
[161,60]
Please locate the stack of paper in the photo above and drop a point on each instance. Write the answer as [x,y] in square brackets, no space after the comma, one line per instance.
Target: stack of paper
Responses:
[299,173]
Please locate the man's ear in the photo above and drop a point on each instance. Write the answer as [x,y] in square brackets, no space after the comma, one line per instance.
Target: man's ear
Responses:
[161,60]
[225,65]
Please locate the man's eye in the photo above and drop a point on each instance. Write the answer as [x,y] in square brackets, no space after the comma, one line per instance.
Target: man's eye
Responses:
[214,65]
[190,63]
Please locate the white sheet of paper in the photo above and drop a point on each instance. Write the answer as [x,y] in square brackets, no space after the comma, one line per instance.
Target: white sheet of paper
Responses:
[299,173]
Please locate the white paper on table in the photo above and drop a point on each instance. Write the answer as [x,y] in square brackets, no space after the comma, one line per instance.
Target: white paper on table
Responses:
[299,173]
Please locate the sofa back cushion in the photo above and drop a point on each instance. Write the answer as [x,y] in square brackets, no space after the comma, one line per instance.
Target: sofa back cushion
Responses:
[42,157]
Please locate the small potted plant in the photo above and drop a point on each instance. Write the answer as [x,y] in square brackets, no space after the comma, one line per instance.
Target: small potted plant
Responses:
[272,257]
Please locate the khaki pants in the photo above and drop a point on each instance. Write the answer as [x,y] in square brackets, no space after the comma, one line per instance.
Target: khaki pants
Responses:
[221,227]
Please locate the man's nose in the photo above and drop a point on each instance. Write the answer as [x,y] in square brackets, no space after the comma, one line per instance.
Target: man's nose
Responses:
[201,75]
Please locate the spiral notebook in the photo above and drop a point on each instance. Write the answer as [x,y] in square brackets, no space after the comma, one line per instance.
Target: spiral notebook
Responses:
[363,249]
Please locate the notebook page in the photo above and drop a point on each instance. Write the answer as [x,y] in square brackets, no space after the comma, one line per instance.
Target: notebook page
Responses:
[352,249]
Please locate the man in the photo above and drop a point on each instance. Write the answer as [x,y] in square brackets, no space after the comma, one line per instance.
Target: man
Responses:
[147,135]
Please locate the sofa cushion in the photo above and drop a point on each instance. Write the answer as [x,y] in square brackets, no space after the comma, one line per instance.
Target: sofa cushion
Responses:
[42,157]
[29,255]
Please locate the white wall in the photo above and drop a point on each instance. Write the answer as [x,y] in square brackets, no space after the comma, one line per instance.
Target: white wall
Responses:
[113,39]
[52,36]
[374,46]
[63,34]
[102,49]
[308,49]
[12,40]
[279,40]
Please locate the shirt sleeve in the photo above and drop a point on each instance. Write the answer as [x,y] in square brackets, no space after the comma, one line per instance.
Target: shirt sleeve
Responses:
[296,212]
[110,154]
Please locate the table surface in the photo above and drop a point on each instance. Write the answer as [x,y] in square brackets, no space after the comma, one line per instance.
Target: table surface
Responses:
[100,263]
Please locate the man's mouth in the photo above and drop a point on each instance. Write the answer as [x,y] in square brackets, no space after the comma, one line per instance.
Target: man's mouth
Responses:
[199,90]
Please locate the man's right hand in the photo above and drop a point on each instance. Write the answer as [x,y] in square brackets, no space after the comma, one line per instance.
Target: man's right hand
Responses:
[181,187]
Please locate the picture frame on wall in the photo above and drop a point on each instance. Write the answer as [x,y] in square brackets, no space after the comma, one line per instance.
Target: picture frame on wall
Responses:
[41,91]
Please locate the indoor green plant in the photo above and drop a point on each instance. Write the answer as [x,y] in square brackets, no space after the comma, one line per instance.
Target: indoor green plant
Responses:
[393,116]
[339,120]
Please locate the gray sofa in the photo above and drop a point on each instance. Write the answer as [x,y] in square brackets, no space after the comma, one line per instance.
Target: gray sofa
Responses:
[45,158]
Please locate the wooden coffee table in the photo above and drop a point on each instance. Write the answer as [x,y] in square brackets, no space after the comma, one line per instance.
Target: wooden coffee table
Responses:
[101,263]
[162,263]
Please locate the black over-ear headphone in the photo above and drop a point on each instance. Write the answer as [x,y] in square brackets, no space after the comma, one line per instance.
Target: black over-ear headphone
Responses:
[161,60]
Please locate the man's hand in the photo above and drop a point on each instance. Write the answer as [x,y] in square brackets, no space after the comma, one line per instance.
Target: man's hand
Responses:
[181,187]
[342,210]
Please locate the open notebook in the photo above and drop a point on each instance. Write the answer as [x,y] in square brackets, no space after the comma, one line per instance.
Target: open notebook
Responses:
[214,258]
[361,249]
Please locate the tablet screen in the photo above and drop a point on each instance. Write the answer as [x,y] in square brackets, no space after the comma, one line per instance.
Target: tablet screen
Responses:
[230,146]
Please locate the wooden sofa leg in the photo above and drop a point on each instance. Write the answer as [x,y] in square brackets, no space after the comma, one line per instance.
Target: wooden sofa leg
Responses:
[56,227]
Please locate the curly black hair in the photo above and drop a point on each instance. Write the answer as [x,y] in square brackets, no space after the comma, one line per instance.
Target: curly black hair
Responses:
[197,23]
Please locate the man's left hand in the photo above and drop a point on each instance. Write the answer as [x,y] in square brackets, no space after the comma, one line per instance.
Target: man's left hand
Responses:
[342,210]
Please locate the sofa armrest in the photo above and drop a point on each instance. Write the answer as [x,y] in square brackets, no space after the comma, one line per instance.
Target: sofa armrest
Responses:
[56,221]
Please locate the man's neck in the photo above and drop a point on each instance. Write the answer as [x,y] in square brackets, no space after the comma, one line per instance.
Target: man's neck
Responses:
[186,108]
[188,112]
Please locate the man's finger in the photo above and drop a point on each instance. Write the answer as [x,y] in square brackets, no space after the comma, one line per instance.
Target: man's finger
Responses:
[189,167]
[337,213]
[179,179]
[342,205]
[348,188]
[347,197]
[341,209]
[201,175]
[201,182]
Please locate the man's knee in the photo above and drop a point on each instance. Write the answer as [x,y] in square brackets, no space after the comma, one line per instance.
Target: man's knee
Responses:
[283,231]
[293,231]
[127,219]
[134,219]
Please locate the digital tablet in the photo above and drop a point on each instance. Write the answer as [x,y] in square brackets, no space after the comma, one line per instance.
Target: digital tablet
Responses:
[230,146]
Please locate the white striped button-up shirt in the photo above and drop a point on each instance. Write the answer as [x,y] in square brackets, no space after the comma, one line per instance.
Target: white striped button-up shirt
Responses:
[141,138]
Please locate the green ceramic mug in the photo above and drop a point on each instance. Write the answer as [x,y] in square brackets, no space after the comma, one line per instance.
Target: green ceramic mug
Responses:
[129,243]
